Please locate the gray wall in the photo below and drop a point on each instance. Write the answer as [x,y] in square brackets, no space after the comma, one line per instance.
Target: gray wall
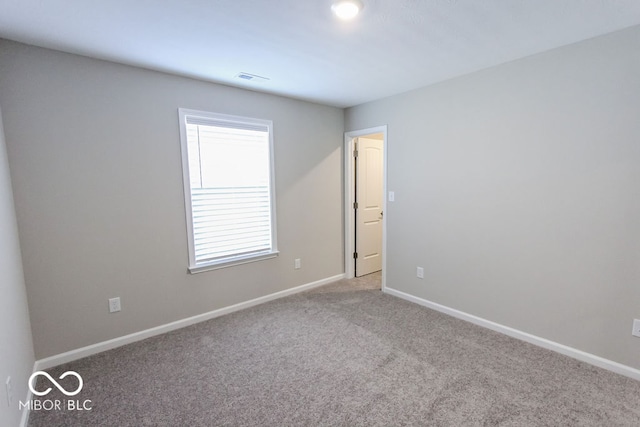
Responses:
[517,188]
[95,155]
[16,348]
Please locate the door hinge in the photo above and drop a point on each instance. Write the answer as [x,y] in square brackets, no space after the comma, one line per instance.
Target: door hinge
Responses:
[355,153]
[355,205]
[355,255]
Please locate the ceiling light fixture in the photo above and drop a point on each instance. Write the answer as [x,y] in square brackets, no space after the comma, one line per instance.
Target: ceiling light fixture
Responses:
[346,9]
[252,77]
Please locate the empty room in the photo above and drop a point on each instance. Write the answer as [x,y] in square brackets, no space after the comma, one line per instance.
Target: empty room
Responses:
[320,212]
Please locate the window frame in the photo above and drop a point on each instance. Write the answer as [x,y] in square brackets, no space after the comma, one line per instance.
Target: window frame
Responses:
[231,260]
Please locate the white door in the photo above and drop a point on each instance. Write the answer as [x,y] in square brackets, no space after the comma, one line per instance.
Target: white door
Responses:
[369,174]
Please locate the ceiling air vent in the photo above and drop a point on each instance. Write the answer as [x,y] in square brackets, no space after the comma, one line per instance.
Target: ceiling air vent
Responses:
[251,77]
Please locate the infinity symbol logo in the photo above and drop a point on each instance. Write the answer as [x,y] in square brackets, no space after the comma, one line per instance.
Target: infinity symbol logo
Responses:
[66,374]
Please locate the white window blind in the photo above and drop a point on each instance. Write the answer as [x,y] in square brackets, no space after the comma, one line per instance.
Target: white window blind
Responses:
[228,188]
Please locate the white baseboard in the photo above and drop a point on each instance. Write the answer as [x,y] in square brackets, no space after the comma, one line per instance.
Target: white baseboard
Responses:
[532,339]
[90,350]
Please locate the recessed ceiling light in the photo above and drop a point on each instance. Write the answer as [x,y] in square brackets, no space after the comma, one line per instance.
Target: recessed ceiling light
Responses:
[251,77]
[346,9]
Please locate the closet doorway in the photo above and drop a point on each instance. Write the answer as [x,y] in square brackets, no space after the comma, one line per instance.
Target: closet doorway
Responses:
[365,202]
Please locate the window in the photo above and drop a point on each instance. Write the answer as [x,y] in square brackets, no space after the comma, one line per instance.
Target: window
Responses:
[227,164]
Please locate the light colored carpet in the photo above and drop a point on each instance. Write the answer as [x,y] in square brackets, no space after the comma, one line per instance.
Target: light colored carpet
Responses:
[342,355]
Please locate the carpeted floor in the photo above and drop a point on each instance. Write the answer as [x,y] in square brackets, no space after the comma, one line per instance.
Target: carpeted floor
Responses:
[342,355]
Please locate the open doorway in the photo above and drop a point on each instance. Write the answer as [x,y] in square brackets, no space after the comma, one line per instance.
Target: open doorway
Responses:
[369,213]
[365,203]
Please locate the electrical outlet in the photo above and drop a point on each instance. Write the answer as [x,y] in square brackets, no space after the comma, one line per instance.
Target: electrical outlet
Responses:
[392,196]
[636,328]
[9,389]
[114,305]
[420,273]
[297,264]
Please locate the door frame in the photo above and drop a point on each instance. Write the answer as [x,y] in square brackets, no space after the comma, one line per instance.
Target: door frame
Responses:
[349,198]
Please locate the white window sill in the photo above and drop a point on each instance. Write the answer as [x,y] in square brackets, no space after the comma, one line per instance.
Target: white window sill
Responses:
[230,262]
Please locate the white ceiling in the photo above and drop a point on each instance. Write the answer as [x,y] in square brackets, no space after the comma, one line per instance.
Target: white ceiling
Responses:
[392,47]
